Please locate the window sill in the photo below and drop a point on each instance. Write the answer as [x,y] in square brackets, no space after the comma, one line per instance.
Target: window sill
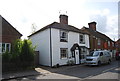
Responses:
[63,40]
[82,43]
[64,58]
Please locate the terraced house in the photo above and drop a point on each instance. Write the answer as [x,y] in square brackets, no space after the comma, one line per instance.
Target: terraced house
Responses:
[59,43]
[99,41]
[8,34]
[118,45]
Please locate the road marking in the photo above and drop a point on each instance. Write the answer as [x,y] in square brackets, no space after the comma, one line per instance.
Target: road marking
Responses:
[109,69]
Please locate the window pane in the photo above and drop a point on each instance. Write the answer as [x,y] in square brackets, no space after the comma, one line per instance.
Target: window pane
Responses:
[3,47]
[113,44]
[0,47]
[63,52]
[8,47]
[82,39]
[99,42]
[63,36]
[108,43]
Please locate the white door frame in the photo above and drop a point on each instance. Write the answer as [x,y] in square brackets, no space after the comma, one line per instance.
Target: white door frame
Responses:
[77,59]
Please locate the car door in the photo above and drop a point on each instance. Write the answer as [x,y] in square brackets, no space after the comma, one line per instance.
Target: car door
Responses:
[106,57]
[102,59]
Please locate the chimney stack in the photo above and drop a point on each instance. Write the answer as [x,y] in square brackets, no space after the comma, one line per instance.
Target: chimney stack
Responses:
[63,19]
[92,25]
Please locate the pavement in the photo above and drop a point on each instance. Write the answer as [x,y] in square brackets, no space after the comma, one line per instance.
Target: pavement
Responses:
[42,70]
[8,76]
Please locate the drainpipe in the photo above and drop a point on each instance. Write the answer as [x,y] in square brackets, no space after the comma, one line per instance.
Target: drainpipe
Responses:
[50,48]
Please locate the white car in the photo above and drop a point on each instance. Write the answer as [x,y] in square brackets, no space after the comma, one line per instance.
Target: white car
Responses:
[98,58]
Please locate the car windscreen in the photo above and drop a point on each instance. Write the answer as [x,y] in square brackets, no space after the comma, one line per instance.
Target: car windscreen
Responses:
[95,53]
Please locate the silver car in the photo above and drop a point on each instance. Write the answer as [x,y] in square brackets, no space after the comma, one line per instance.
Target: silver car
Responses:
[98,58]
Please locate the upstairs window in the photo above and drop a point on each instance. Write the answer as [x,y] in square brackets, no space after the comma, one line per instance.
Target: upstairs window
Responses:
[113,44]
[82,39]
[99,42]
[63,53]
[63,36]
[108,43]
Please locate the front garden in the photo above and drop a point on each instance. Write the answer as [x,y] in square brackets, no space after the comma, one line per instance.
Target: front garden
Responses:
[20,57]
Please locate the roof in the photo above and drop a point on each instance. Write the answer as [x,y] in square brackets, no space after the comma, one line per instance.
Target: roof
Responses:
[97,34]
[76,45]
[118,40]
[57,25]
[6,25]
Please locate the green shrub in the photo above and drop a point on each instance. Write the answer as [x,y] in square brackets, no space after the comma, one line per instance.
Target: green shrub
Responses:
[16,51]
[21,55]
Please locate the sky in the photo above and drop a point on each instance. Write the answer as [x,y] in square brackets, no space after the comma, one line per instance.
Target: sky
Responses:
[21,14]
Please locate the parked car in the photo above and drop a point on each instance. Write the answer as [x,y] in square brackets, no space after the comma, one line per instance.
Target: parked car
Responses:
[117,55]
[98,58]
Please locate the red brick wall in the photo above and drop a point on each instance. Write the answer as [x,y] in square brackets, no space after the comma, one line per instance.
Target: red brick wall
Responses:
[9,33]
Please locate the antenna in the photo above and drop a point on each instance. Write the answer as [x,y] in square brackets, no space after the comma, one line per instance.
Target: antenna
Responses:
[59,11]
[66,12]
[63,12]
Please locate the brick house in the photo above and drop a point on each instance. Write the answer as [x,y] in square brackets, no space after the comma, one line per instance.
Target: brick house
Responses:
[118,45]
[8,34]
[99,41]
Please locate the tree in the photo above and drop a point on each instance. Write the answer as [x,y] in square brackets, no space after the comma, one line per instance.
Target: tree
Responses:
[27,53]
[16,50]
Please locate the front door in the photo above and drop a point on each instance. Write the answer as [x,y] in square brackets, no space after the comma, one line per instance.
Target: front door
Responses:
[77,57]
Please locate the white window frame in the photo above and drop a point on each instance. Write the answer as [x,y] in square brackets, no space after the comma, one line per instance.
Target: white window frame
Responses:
[65,56]
[99,41]
[108,43]
[1,49]
[65,37]
[113,44]
[82,42]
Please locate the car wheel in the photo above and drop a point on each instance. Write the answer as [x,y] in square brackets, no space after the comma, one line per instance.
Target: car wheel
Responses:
[99,63]
[109,61]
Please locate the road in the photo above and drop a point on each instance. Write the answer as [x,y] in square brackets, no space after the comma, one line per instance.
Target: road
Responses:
[81,72]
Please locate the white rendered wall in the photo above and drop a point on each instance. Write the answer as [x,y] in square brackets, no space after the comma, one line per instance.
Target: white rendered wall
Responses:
[0,34]
[42,42]
[73,38]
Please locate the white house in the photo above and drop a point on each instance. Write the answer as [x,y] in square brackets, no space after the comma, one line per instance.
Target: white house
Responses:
[59,42]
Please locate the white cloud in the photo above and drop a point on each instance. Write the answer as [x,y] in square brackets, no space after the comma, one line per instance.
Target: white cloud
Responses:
[23,13]
[106,23]
[102,0]
[112,27]
[106,12]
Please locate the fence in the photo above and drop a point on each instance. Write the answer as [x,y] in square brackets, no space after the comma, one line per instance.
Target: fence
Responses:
[11,66]
[36,58]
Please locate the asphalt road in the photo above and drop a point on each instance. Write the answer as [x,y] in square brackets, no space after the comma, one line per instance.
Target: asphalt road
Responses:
[80,72]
